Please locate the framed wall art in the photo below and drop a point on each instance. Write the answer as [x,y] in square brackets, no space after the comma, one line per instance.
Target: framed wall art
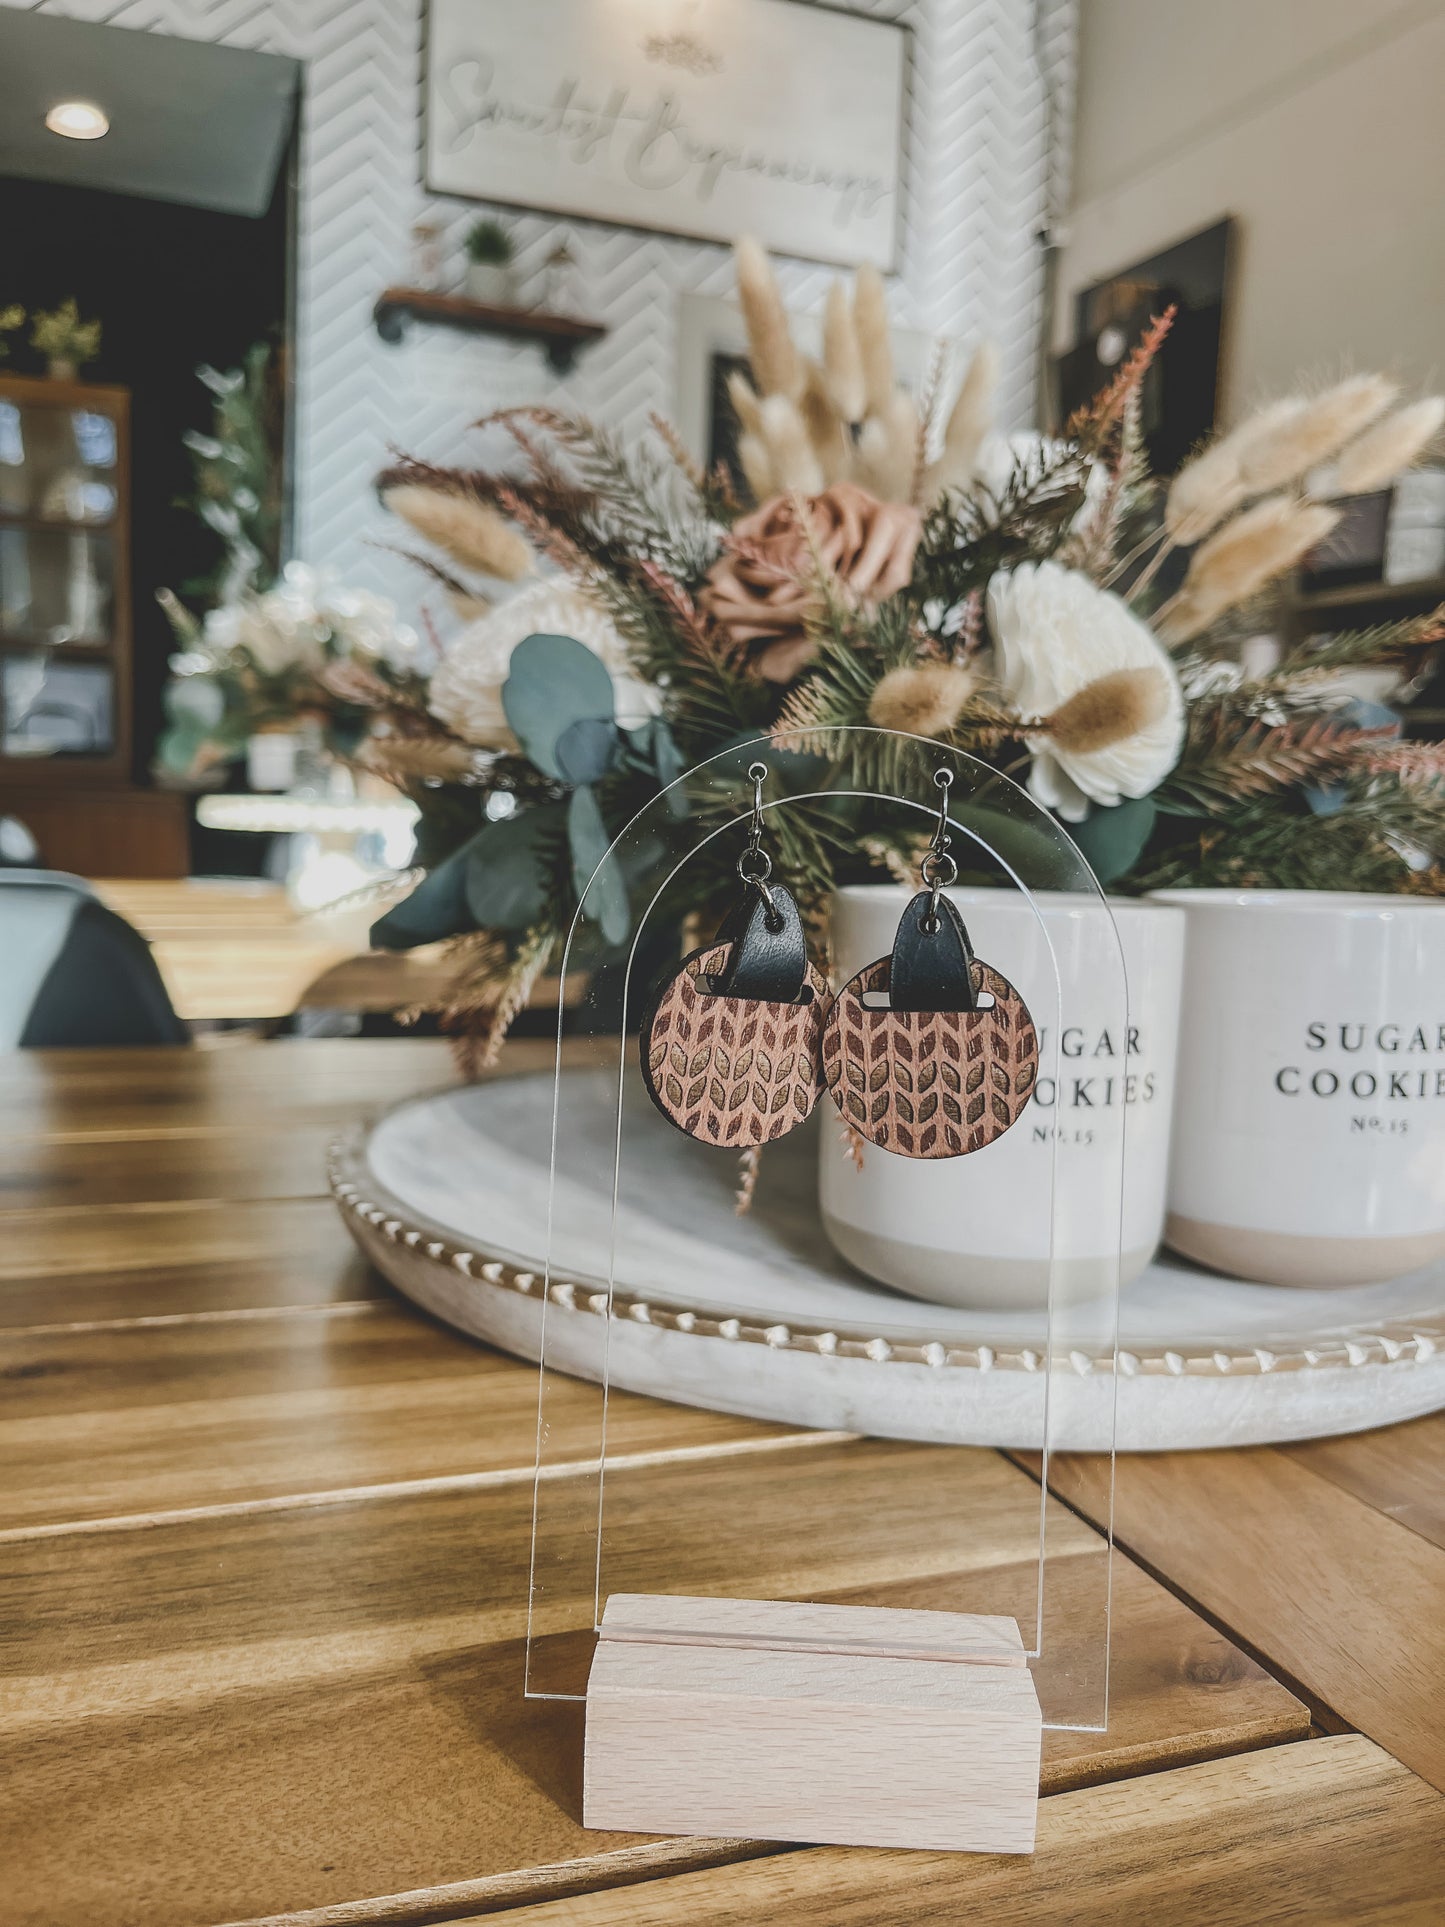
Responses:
[706,118]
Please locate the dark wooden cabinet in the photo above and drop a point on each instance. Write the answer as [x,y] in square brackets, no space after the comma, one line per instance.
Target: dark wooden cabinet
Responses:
[66,677]
[65,592]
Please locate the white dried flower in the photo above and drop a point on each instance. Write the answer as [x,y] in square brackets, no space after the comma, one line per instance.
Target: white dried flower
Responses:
[306,619]
[1054,633]
[466,690]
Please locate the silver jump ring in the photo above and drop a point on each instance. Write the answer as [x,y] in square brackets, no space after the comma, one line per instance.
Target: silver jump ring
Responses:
[939,869]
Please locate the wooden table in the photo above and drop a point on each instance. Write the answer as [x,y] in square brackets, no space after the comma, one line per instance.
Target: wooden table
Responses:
[263,1535]
[230,947]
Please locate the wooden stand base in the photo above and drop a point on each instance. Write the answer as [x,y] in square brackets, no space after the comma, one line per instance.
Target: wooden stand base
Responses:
[856,1725]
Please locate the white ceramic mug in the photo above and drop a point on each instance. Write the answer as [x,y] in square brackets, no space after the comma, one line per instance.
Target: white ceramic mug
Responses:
[985,1229]
[1309,1135]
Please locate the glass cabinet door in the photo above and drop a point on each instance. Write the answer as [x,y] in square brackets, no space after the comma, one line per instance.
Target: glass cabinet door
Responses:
[64,640]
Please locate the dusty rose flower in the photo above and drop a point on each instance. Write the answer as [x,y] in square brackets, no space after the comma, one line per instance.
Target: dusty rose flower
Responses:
[764,588]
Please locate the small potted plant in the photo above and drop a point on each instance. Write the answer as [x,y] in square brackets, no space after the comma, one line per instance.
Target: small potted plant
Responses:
[489,265]
[66,341]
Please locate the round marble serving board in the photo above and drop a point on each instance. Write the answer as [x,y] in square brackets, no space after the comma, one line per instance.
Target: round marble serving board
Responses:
[448,1195]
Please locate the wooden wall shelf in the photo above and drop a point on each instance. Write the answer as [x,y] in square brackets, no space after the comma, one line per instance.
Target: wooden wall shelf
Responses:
[1359,595]
[560,335]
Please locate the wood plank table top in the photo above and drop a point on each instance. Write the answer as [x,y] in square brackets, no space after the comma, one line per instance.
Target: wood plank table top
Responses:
[231,947]
[263,1556]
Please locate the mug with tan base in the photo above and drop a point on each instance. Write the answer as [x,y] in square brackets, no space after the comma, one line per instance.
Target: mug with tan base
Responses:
[1309,1132]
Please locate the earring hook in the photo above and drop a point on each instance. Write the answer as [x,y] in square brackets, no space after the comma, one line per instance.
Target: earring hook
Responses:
[938,868]
[755,866]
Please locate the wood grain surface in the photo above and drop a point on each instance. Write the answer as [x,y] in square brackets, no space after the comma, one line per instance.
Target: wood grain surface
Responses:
[205,1259]
[1330,1832]
[298,1706]
[234,948]
[1399,1471]
[263,1579]
[1346,1601]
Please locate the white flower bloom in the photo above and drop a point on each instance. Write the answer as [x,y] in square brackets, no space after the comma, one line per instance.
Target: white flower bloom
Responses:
[294,622]
[1054,631]
[466,691]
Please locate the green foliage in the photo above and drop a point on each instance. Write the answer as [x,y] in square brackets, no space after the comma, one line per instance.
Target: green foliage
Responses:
[60,335]
[554,682]
[237,477]
[510,866]
[1113,840]
[597,879]
[966,538]
[489,244]
[436,908]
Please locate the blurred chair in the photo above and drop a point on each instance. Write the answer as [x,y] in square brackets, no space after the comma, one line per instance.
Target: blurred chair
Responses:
[18,848]
[74,973]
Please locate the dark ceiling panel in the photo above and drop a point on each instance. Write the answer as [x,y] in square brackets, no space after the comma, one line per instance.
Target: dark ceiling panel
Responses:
[189,122]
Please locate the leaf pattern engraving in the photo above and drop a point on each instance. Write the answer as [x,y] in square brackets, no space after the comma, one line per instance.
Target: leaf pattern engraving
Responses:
[753,1070]
[930,1084]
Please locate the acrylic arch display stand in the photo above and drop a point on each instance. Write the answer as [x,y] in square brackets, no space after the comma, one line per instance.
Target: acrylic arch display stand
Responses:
[800,1716]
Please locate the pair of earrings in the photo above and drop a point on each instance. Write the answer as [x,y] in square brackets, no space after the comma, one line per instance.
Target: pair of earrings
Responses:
[928,1052]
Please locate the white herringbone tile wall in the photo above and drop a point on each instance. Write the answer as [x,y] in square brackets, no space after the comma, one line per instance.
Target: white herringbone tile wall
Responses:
[975,194]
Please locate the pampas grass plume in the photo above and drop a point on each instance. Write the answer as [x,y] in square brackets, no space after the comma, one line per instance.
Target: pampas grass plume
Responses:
[842,357]
[793,460]
[870,324]
[1390,447]
[922,699]
[1213,485]
[831,440]
[470,532]
[757,466]
[1281,452]
[466,607]
[744,399]
[969,421]
[1240,558]
[1203,493]
[777,369]
[887,451]
[1109,710]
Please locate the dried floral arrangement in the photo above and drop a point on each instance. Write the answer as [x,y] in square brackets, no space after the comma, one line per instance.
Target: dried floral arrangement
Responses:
[1044,604]
[305,649]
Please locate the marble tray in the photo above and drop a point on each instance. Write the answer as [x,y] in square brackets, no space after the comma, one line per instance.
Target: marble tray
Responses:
[448,1195]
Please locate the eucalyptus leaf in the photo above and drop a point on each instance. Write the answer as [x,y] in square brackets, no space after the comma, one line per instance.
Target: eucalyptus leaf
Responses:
[601,891]
[653,747]
[552,683]
[509,868]
[436,908]
[587,749]
[1024,843]
[1113,839]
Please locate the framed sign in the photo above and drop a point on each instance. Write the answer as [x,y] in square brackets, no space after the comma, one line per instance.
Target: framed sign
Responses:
[709,118]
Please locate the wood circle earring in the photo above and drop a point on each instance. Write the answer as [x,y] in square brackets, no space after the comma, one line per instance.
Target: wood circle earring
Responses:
[731,1040]
[929,1052]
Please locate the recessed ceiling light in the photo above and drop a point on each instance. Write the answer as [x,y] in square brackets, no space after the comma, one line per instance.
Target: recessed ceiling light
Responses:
[78,120]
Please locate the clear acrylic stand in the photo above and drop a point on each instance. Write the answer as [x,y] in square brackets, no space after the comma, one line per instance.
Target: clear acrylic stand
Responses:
[653,1286]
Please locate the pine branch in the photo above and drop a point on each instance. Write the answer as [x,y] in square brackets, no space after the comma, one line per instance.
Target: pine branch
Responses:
[1219,768]
[1278,843]
[641,507]
[1089,426]
[1404,642]
[966,537]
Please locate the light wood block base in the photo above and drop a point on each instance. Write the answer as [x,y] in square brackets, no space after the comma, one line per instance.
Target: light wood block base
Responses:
[852,1725]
